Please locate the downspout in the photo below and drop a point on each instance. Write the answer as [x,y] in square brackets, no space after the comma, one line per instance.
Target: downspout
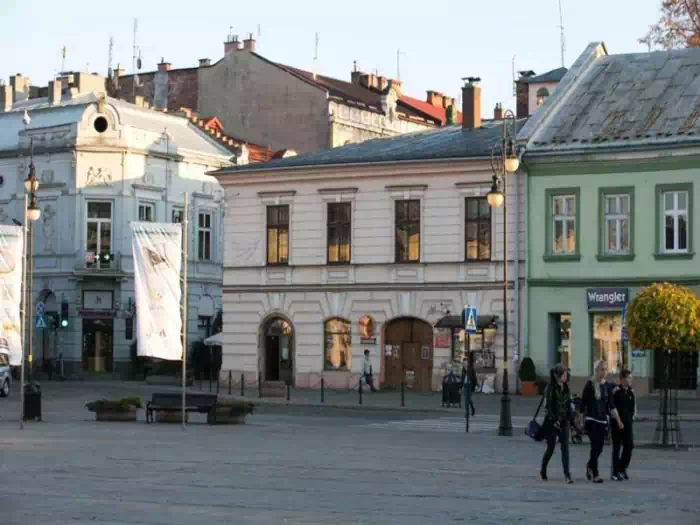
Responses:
[516,264]
[524,340]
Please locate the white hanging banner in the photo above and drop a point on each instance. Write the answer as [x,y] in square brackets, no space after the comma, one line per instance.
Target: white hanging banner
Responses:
[157,251]
[11,246]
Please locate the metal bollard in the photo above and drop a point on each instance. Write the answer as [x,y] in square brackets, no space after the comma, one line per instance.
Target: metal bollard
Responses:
[359,388]
[230,375]
[323,392]
[259,385]
[242,384]
[289,389]
[403,393]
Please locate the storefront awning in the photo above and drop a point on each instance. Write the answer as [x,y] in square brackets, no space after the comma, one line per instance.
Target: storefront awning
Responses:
[215,340]
[455,321]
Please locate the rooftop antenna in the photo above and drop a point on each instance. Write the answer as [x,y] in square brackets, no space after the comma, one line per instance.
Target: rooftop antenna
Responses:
[259,31]
[561,29]
[110,57]
[316,41]
[230,34]
[63,58]
[398,63]
[133,60]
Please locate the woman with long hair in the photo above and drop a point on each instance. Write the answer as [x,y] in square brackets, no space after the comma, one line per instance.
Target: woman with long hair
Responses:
[557,408]
[595,406]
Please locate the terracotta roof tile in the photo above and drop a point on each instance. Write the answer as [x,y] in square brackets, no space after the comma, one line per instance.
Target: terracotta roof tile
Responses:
[428,109]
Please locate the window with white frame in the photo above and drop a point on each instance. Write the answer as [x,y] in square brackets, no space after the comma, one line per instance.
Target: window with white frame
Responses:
[99,235]
[675,225]
[563,224]
[617,224]
[147,212]
[204,236]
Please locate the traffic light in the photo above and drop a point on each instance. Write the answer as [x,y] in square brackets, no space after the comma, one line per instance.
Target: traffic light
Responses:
[64,315]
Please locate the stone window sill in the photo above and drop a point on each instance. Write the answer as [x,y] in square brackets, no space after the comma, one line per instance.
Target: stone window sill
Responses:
[682,256]
[615,258]
[562,258]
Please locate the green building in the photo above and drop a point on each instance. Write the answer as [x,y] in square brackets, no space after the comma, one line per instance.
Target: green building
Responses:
[613,166]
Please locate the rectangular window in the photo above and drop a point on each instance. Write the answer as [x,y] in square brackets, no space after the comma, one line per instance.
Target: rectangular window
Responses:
[408,231]
[617,224]
[278,234]
[204,236]
[563,224]
[146,212]
[204,326]
[338,347]
[675,221]
[177,216]
[99,235]
[477,229]
[339,232]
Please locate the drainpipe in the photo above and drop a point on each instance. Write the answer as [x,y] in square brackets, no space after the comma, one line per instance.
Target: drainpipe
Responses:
[521,317]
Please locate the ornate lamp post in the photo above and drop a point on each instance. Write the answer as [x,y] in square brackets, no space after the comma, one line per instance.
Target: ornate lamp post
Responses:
[504,160]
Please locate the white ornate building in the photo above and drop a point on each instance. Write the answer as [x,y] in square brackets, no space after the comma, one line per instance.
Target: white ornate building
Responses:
[103,163]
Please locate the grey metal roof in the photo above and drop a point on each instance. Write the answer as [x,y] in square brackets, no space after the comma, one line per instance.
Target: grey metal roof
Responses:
[609,101]
[555,75]
[450,142]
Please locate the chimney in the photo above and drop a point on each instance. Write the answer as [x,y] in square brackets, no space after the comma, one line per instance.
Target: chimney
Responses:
[204,62]
[164,66]
[498,111]
[435,99]
[471,103]
[522,94]
[355,74]
[20,85]
[6,94]
[249,43]
[395,85]
[118,71]
[382,83]
[55,92]
[89,83]
[232,44]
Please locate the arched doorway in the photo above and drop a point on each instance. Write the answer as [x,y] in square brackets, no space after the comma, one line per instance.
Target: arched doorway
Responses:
[408,353]
[278,351]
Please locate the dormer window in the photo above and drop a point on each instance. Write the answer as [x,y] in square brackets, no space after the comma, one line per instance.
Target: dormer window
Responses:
[542,94]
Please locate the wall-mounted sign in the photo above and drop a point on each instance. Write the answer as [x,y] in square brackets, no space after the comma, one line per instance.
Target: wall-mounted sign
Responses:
[98,300]
[368,340]
[425,352]
[441,338]
[366,326]
[607,297]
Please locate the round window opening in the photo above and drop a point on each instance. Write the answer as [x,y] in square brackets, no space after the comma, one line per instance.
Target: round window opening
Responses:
[100,124]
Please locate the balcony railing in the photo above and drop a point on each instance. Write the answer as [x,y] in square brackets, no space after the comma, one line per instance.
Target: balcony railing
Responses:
[102,262]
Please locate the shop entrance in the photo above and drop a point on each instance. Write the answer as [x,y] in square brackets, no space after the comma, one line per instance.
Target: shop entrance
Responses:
[98,345]
[408,345]
[279,351]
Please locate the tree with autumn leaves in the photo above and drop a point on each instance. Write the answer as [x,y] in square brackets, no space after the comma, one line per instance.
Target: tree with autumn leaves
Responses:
[678,26]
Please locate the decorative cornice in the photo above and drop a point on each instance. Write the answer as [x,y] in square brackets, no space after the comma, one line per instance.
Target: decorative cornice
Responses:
[286,193]
[336,190]
[406,187]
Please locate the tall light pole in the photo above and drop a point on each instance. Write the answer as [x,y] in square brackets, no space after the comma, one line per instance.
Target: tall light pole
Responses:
[504,160]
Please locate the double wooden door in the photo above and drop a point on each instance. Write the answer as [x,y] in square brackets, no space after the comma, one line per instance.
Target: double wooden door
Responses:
[408,345]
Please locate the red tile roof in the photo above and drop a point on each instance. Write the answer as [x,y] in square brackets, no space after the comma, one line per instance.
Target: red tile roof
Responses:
[428,109]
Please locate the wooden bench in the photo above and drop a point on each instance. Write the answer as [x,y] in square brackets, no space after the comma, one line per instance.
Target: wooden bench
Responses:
[172,402]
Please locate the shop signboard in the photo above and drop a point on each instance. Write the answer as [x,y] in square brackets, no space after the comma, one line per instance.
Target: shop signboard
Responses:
[607,297]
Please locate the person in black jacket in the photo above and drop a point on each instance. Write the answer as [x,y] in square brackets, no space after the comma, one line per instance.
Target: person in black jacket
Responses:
[624,409]
[557,411]
[596,407]
[469,381]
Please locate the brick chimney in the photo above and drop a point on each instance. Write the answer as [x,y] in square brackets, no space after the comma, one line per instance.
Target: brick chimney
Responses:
[395,85]
[6,93]
[498,111]
[20,84]
[164,66]
[382,83]
[447,101]
[249,43]
[232,44]
[55,92]
[522,94]
[471,103]
[204,62]
[435,99]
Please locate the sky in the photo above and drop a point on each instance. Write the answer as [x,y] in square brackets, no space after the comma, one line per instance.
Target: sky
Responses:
[440,42]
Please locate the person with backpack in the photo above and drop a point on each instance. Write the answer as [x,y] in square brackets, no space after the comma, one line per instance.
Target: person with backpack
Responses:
[596,408]
[557,404]
[624,409]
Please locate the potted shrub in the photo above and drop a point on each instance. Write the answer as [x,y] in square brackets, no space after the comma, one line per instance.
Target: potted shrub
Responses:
[115,410]
[528,378]
[230,412]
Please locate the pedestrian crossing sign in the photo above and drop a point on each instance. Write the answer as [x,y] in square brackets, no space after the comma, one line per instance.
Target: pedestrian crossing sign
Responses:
[41,322]
[470,316]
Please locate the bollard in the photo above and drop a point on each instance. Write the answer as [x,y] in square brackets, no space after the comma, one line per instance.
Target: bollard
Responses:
[259,385]
[230,376]
[289,389]
[322,391]
[359,388]
[403,393]
[242,384]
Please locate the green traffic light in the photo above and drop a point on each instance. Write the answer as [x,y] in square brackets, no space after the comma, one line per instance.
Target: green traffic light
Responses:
[64,323]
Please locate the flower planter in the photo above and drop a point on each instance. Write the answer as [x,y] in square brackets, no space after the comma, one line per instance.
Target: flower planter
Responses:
[116,415]
[529,388]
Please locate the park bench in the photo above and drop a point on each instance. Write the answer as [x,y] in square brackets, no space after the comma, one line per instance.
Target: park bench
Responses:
[172,402]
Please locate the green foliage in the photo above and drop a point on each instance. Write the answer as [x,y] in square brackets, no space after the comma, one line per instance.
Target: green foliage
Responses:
[664,317]
[527,370]
[121,405]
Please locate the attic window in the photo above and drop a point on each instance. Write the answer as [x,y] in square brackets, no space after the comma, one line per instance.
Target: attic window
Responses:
[542,94]
[100,124]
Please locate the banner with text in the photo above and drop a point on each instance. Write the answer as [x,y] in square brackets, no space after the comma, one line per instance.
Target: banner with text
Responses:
[157,251]
[11,245]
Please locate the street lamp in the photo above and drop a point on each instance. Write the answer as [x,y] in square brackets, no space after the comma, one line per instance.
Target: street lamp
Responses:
[504,160]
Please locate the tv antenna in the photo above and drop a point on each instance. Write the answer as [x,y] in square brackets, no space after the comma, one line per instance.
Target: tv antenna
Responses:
[316,42]
[110,56]
[259,31]
[136,60]
[561,32]
[64,51]
[399,53]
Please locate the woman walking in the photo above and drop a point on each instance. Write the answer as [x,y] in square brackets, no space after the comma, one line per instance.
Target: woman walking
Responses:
[557,410]
[595,406]
[469,381]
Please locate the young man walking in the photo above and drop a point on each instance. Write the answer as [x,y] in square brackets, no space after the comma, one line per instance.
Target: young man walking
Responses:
[623,401]
[367,372]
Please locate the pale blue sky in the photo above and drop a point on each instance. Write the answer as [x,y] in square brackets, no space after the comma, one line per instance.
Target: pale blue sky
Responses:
[442,40]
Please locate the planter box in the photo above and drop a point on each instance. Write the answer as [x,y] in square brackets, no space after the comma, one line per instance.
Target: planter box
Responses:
[528,388]
[170,417]
[110,415]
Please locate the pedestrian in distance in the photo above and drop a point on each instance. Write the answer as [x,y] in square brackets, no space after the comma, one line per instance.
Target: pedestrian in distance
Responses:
[596,407]
[469,381]
[625,410]
[367,373]
[557,403]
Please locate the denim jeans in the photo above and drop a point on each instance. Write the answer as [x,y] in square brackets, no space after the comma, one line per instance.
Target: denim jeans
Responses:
[552,435]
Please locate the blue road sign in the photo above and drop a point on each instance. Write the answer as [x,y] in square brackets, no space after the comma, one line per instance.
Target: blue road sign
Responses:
[41,322]
[40,309]
[470,317]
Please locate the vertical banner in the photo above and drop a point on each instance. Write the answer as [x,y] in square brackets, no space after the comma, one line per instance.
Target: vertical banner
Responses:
[157,262]
[11,245]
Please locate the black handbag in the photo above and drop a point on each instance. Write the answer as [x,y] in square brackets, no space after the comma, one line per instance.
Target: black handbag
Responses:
[534,429]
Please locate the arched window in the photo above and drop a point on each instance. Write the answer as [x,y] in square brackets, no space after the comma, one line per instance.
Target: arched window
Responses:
[338,345]
[542,94]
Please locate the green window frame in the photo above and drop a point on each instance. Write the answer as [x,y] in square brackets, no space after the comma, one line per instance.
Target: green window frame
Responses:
[617,218]
[660,221]
[550,195]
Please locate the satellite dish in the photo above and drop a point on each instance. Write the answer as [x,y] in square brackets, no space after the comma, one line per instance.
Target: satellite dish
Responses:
[138,62]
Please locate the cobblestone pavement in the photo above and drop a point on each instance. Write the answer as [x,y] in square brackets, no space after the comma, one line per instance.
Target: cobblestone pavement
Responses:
[302,470]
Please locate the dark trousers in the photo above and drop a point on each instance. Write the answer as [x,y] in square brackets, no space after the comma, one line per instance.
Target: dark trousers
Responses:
[623,443]
[596,433]
[467,391]
[552,435]
[370,382]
